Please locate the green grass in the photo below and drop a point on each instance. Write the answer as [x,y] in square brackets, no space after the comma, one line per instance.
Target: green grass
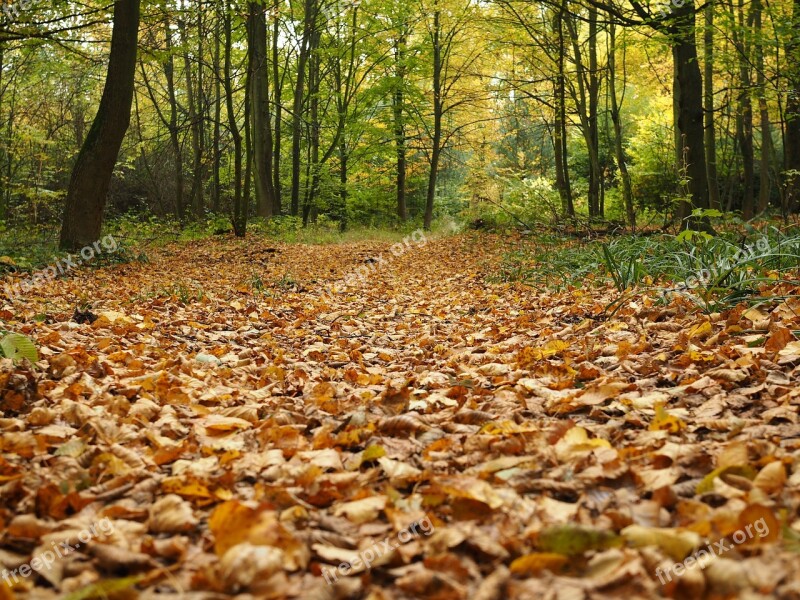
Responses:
[714,272]
[283,229]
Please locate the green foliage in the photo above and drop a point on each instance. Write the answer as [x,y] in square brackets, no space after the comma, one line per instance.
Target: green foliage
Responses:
[526,202]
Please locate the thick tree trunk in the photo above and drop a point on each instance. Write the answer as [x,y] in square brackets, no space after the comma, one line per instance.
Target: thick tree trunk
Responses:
[94,167]
[259,104]
[690,109]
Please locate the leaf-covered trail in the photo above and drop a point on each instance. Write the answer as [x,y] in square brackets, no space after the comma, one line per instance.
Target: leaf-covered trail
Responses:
[247,433]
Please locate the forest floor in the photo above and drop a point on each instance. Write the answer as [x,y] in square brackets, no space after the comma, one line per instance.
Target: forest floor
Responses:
[225,427]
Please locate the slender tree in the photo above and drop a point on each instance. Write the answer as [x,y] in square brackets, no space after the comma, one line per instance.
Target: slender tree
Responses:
[616,118]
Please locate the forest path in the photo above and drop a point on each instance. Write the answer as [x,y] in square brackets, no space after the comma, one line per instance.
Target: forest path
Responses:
[245,430]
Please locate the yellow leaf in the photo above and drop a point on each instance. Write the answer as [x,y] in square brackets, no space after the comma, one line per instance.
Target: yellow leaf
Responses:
[576,441]
[664,421]
[532,564]
[701,331]
[677,543]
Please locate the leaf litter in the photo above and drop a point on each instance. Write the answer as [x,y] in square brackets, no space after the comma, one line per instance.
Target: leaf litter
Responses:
[247,432]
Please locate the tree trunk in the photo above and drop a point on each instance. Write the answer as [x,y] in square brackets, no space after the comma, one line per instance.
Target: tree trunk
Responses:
[216,197]
[560,148]
[196,193]
[710,137]
[792,113]
[586,101]
[94,167]
[438,111]
[3,148]
[259,104]
[239,217]
[398,102]
[627,190]
[174,132]
[248,141]
[690,109]
[744,114]
[343,160]
[314,166]
[299,97]
[593,90]
[277,90]
[763,109]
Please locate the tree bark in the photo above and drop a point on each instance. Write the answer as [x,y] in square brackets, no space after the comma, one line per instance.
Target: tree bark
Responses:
[94,167]
[259,104]
[690,108]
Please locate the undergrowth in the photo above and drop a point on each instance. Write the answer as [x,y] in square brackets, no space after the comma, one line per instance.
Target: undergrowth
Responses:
[716,272]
